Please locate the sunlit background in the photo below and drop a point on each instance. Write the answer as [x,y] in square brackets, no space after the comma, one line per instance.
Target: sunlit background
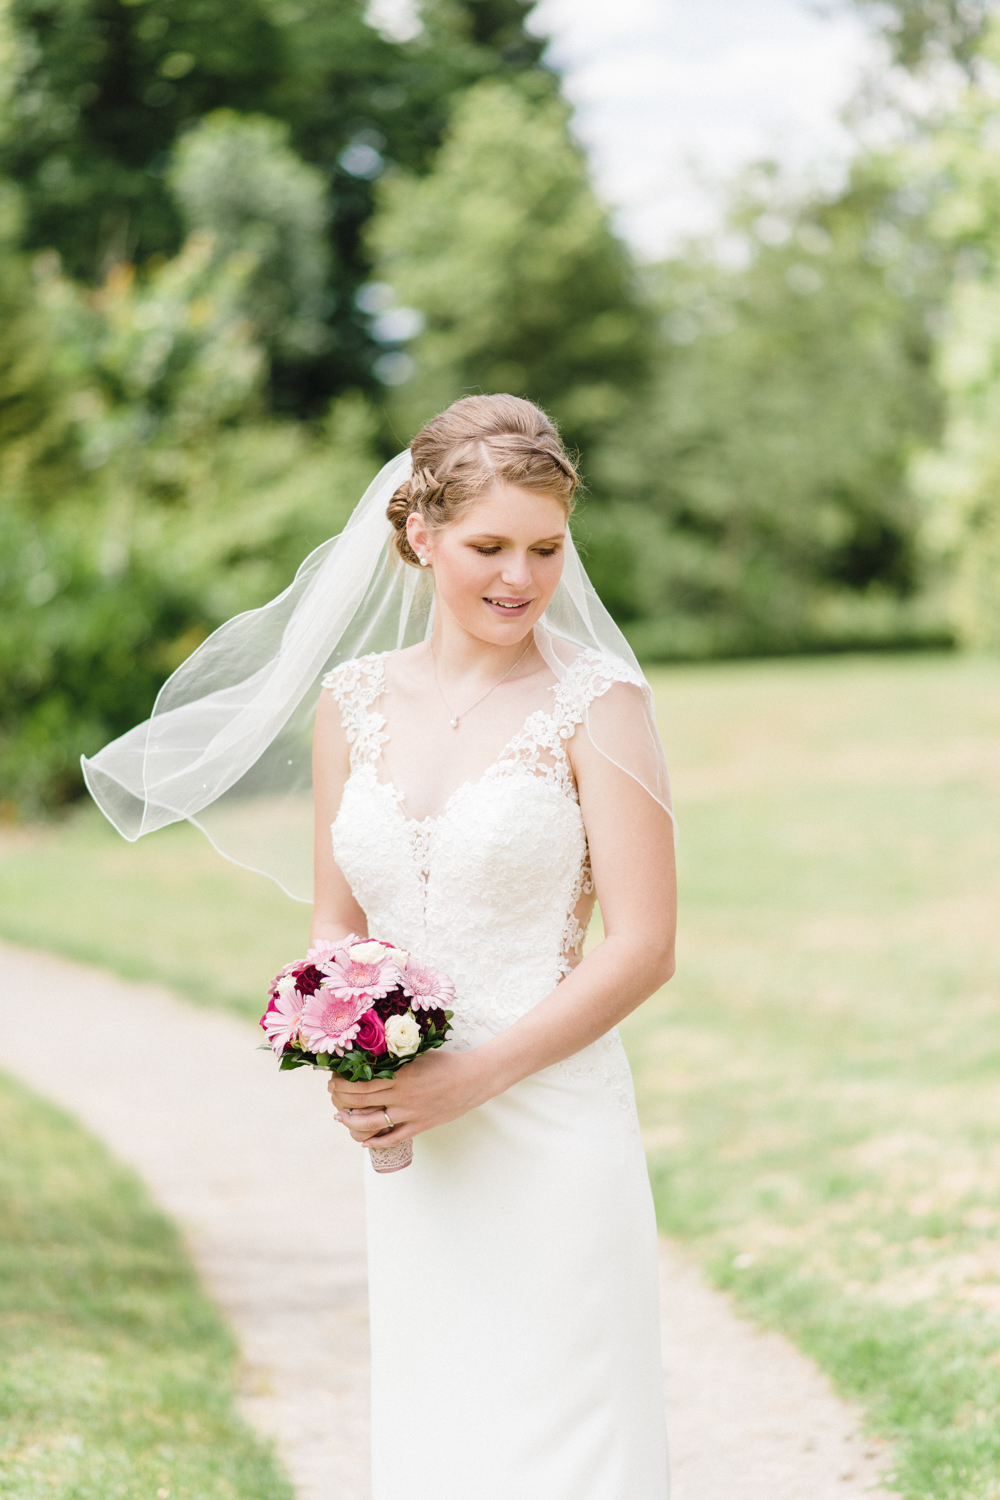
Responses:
[741,253]
[748,256]
[673,99]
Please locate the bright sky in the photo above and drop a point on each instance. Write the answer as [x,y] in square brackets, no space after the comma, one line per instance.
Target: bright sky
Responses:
[671,93]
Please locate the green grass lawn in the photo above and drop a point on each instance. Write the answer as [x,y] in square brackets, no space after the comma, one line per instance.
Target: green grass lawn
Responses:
[167,908]
[820,1085]
[116,1375]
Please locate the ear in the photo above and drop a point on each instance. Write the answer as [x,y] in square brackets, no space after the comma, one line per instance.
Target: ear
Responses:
[417,535]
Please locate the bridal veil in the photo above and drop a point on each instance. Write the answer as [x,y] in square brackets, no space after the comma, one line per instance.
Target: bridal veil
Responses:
[228,744]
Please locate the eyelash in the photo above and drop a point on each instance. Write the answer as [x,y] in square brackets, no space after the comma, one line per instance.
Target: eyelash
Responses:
[492,551]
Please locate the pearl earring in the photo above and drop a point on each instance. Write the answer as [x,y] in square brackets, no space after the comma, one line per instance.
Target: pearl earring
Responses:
[423,562]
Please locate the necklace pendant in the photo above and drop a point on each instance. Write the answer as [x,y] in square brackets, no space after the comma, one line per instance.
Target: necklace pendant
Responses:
[454,722]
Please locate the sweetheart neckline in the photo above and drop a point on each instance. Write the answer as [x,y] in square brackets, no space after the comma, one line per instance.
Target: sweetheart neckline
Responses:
[397,798]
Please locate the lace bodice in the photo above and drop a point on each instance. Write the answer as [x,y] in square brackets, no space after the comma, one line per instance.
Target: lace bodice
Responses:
[487,889]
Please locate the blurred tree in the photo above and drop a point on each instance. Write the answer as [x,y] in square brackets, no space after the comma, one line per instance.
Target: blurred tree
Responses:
[761,498]
[144,495]
[928,31]
[98,92]
[506,255]
[38,457]
[236,178]
[958,167]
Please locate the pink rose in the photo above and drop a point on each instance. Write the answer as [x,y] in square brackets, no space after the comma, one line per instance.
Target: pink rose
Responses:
[371,1034]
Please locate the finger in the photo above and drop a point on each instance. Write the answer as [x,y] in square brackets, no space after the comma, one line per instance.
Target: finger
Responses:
[362,1119]
[362,1130]
[346,1100]
[369,1129]
[362,1090]
[402,1132]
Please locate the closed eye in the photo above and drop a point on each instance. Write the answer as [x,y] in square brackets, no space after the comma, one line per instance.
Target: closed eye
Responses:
[491,551]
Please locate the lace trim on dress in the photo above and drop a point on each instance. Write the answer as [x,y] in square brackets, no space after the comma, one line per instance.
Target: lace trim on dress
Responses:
[356,685]
[540,747]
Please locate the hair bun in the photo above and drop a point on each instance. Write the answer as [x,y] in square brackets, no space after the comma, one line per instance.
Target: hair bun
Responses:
[398,511]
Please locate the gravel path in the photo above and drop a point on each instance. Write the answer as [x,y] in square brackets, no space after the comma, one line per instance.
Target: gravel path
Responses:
[268,1192]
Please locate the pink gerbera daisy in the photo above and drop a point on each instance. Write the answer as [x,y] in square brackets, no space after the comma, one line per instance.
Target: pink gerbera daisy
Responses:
[369,981]
[323,951]
[282,1018]
[331,1020]
[428,989]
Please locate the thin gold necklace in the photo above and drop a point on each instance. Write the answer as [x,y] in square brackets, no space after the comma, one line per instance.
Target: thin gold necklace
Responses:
[454,718]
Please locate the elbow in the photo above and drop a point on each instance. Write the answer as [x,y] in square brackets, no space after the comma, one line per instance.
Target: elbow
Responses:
[665,964]
[651,958]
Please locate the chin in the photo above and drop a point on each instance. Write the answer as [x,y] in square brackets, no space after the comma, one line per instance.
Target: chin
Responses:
[502,632]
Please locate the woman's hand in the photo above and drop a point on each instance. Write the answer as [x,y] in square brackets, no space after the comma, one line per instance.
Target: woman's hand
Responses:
[434,1088]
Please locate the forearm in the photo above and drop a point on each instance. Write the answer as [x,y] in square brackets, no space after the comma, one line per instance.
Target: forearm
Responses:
[332,929]
[615,978]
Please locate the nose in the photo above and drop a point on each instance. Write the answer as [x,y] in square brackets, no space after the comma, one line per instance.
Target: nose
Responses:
[516,572]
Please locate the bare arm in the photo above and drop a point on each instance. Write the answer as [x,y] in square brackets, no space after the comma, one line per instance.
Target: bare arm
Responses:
[336,914]
[632,857]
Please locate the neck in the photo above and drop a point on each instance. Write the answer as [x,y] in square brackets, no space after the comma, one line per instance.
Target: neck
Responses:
[459,654]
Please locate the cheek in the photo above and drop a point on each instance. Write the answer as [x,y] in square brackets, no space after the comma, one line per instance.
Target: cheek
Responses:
[548,575]
[463,572]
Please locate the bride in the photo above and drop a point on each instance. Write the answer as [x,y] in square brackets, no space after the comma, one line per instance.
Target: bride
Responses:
[461,812]
[476,790]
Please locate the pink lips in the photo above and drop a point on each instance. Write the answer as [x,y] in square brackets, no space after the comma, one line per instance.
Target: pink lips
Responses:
[509,609]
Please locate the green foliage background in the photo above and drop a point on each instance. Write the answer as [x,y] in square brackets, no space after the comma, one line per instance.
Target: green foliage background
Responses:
[246,248]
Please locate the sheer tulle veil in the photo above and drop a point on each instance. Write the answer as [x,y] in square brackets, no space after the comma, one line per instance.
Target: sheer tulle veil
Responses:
[228,744]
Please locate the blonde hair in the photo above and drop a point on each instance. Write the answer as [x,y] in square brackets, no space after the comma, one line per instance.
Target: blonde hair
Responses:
[479,442]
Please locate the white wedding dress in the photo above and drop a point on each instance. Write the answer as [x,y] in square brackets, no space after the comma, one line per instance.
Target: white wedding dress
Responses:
[513,1266]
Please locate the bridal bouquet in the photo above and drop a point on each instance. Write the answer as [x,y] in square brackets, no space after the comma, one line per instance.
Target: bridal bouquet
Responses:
[361,1008]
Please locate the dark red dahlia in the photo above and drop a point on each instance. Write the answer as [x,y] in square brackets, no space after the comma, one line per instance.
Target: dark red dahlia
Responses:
[309,980]
[393,1004]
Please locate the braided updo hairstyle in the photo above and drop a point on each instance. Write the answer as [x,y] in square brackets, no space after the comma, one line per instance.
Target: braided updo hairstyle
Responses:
[477,443]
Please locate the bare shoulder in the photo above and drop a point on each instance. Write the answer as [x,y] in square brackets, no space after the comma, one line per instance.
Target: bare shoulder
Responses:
[405,667]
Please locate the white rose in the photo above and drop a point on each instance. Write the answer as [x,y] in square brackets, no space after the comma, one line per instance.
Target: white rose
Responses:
[285,984]
[399,957]
[402,1035]
[368,953]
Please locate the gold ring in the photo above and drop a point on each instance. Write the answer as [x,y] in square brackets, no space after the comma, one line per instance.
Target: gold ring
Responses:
[388,1119]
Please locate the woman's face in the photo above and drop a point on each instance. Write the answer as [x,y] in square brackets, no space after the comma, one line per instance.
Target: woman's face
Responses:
[498,565]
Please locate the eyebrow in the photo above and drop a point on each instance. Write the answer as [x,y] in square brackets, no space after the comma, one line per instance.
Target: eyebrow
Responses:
[492,536]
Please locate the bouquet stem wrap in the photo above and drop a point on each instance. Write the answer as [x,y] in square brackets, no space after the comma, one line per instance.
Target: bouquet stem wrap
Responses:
[391,1158]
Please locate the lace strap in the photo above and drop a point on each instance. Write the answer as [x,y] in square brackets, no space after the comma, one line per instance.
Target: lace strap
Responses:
[590,677]
[356,685]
